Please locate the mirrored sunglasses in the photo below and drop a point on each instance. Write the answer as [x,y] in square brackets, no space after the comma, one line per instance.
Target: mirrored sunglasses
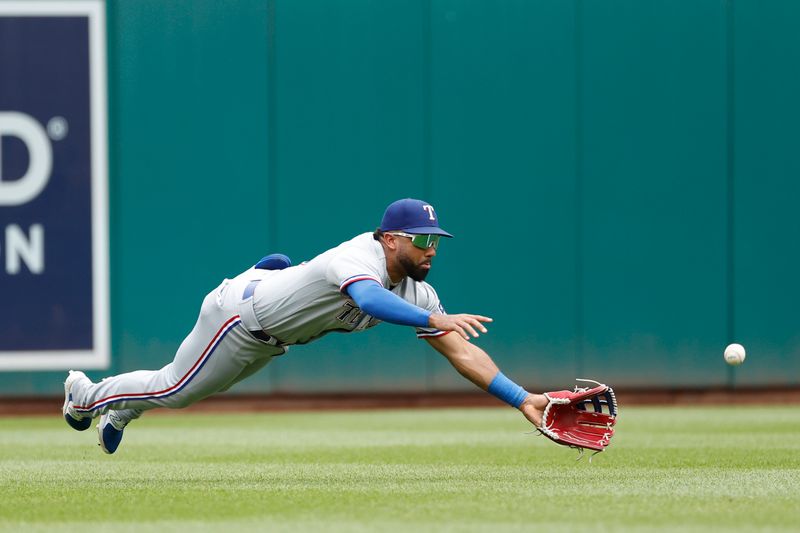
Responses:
[423,241]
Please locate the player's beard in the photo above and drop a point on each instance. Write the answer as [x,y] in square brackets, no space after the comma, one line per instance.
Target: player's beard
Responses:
[413,270]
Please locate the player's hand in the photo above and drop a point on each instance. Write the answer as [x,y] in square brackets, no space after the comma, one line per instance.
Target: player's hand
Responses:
[463,324]
[533,408]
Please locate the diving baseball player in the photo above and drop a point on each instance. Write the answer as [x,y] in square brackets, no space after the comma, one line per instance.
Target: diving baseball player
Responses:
[246,321]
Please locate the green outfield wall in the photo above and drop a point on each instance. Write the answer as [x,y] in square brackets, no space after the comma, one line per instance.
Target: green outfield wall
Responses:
[622,177]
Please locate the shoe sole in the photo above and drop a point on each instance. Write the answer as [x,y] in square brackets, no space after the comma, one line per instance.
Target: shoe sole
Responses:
[100,437]
[100,441]
[84,423]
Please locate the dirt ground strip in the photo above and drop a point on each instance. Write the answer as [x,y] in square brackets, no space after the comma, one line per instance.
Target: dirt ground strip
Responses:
[315,402]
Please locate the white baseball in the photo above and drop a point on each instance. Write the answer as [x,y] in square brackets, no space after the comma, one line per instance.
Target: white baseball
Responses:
[734,354]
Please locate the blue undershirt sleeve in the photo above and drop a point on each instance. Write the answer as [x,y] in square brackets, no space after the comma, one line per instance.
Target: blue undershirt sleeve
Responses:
[385,305]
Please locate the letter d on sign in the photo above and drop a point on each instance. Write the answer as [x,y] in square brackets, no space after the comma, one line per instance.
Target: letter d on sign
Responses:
[30,132]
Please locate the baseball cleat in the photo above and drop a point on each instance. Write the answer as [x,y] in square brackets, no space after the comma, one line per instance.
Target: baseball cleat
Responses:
[75,421]
[109,432]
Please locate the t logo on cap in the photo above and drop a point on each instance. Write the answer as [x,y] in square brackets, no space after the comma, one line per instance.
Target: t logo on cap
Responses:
[412,216]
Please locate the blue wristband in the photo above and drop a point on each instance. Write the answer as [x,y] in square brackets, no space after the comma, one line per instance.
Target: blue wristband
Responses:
[506,390]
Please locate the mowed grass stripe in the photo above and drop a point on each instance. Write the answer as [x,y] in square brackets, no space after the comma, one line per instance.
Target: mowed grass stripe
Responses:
[424,470]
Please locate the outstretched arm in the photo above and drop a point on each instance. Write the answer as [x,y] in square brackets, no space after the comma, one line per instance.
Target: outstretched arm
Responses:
[475,364]
[385,305]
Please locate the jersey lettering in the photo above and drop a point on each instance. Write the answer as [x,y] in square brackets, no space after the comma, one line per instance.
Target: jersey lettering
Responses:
[350,313]
[355,318]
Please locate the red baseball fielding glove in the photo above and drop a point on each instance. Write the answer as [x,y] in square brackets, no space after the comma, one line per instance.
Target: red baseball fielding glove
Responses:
[583,418]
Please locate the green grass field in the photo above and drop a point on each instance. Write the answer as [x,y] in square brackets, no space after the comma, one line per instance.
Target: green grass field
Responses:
[687,469]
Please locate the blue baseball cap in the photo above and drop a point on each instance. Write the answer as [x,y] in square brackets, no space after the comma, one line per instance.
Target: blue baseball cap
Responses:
[412,216]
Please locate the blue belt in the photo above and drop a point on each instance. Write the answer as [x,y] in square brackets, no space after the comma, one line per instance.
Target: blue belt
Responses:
[250,289]
[259,334]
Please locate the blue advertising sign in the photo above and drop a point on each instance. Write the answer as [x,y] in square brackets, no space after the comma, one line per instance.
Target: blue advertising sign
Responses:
[53,180]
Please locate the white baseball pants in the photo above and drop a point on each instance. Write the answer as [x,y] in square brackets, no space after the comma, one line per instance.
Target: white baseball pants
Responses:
[218,353]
